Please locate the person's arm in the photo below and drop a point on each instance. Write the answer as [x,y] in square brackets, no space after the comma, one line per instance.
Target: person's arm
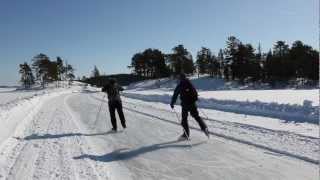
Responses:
[105,89]
[120,88]
[175,96]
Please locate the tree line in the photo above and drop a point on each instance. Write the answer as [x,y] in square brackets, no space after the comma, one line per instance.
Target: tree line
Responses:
[152,63]
[43,71]
[237,61]
[100,80]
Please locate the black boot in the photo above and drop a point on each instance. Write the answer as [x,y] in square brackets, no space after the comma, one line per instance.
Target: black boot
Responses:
[183,137]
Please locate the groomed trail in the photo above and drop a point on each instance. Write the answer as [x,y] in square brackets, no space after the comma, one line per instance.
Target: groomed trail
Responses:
[63,138]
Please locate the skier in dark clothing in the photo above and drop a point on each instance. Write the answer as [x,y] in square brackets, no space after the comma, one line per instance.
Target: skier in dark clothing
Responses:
[114,102]
[188,96]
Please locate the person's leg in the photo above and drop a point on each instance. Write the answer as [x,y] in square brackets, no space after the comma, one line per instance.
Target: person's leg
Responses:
[112,111]
[121,115]
[184,121]
[195,114]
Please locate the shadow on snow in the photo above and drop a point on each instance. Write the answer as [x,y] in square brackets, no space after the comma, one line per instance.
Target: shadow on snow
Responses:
[126,154]
[57,136]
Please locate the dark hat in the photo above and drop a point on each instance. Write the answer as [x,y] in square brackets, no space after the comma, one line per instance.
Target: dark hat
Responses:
[182,76]
[112,81]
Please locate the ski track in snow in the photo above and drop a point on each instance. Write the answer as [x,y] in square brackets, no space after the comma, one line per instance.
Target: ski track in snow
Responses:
[64,139]
[44,155]
[286,143]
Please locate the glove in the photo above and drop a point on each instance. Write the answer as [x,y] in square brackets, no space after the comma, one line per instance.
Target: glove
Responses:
[172,106]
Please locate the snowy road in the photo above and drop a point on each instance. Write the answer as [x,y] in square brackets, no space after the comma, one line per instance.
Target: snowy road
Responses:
[64,139]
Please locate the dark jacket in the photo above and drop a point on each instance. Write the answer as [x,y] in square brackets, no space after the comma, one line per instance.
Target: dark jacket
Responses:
[113,92]
[188,94]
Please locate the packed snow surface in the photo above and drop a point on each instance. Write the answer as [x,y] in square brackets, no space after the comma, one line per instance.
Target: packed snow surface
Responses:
[59,134]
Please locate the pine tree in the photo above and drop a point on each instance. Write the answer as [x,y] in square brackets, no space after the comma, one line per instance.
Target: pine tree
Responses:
[69,73]
[61,68]
[231,51]
[95,72]
[242,60]
[27,78]
[259,53]
[203,60]
[213,66]
[284,68]
[305,60]
[137,64]
[155,63]
[181,60]
[40,64]
[221,61]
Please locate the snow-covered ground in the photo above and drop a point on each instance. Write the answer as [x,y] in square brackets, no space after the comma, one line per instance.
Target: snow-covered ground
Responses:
[287,104]
[58,135]
[11,95]
[288,96]
[218,89]
[7,89]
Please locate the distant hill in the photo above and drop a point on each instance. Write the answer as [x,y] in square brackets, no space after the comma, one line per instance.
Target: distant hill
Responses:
[122,79]
[206,83]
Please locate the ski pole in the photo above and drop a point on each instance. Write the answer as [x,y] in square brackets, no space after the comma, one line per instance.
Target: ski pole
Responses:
[134,108]
[99,110]
[207,118]
[204,114]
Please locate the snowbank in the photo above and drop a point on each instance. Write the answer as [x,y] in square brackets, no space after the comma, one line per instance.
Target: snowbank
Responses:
[287,104]
[285,96]
[2,89]
[289,112]
[206,83]
[202,83]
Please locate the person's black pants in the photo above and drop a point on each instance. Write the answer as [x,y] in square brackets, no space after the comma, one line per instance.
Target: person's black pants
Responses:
[113,106]
[192,108]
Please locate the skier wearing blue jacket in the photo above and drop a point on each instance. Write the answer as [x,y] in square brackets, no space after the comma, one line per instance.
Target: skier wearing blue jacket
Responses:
[188,96]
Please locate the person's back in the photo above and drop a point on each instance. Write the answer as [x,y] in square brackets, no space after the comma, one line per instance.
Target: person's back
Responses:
[112,90]
[188,96]
[114,102]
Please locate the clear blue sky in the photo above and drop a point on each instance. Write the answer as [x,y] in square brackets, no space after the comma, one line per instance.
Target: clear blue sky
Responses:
[107,33]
